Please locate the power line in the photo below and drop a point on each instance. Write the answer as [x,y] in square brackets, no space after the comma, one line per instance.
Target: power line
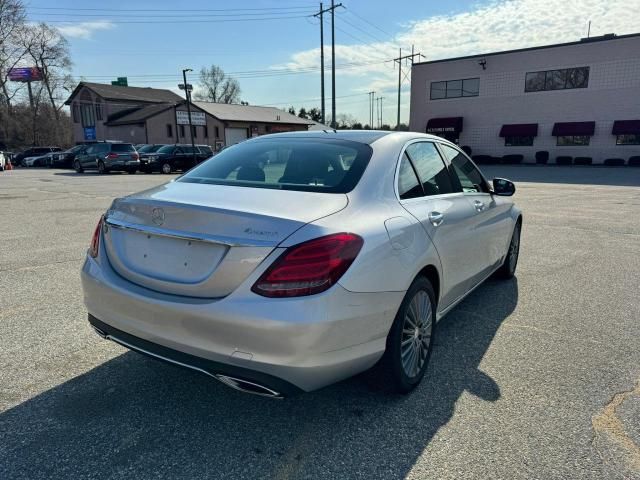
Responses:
[168,10]
[158,22]
[368,22]
[111,15]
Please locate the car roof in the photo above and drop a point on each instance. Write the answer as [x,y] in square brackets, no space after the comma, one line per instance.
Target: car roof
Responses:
[360,136]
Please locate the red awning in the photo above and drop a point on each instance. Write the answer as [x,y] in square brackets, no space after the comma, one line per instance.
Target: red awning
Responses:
[519,130]
[573,128]
[444,125]
[626,127]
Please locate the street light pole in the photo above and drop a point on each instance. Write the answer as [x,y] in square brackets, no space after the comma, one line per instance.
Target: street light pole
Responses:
[188,95]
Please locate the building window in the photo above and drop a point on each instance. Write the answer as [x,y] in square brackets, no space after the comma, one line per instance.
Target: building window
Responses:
[217,132]
[99,112]
[518,141]
[76,113]
[181,130]
[194,131]
[87,115]
[563,79]
[169,130]
[573,140]
[628,139]
[469,87]
[206,132]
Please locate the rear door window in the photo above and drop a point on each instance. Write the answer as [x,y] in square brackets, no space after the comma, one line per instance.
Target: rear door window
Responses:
[430,168]
[306,164]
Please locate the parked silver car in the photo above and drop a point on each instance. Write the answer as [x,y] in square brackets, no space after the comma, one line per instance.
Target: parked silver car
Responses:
[292,261]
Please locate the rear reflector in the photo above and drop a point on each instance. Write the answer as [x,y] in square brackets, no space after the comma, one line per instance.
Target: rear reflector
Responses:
[95,239]
[310,267]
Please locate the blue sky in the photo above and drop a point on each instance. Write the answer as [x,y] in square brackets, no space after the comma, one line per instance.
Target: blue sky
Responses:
[152,44]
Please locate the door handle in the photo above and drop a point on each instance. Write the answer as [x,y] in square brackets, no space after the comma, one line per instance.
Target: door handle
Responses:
[436,218]
[479,205]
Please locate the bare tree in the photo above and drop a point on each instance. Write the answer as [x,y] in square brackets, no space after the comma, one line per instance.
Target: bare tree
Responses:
[216,86]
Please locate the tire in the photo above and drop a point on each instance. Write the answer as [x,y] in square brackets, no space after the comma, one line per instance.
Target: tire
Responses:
[399,370]
[508,268]
[101,168]
[77,167]
[132,171]
[166,168]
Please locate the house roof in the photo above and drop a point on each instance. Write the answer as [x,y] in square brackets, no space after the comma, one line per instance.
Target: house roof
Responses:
[137,115]
[232,112]
[135,94]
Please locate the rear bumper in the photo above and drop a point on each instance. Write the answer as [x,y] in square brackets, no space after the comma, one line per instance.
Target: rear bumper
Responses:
[305,343]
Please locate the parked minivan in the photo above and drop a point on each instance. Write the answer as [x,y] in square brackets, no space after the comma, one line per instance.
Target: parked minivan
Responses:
[106,157]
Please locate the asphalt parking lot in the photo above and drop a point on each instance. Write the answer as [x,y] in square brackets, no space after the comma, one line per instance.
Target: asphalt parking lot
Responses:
[538,377]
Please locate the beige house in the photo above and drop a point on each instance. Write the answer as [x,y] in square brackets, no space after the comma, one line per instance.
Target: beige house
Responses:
[148,115]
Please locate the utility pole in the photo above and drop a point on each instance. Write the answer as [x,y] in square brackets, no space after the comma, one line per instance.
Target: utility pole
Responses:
[399,60]
[333,64]
[319,14]
[187,90]
[380,112]
[371,100]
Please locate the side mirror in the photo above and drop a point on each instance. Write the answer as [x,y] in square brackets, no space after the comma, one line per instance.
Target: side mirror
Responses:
[503,187]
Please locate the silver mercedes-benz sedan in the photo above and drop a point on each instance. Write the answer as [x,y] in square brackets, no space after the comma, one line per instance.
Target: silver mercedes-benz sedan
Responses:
[291,261]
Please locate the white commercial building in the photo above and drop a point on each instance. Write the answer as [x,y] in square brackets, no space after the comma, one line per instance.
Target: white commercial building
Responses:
[578,99]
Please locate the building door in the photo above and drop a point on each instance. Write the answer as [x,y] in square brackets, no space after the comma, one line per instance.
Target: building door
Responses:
[234,135]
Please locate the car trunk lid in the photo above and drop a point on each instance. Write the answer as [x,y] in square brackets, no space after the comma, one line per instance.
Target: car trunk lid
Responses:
[204,240]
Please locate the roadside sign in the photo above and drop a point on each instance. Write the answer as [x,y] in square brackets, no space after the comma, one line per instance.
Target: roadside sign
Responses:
[28,74]
[197,118]
[89,133]
[120,82]
[189,86]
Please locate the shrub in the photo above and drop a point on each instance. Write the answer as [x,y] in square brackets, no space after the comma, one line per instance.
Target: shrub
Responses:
[614,162]
[582,161]
[512,159]
[542,157]
[564,160]
[634,161]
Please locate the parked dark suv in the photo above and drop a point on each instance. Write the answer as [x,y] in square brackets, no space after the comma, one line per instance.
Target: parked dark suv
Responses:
[106,157]
[174,157]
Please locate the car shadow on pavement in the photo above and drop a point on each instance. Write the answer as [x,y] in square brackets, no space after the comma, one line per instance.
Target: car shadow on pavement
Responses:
[134,417]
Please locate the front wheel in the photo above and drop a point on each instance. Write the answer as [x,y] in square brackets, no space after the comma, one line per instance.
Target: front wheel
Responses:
[101,167]
[166,168]
[77,167]
[410,339]
[508,268]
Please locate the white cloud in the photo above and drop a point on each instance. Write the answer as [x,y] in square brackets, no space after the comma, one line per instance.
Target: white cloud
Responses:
[488,27]
[84,29]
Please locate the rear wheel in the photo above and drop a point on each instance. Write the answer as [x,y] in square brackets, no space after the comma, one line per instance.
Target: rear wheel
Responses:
[77,167]
[132,171]
[166,168]
[410,339]
[508,268]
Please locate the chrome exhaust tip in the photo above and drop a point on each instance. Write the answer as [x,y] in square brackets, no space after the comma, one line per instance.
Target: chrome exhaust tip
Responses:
[248,387]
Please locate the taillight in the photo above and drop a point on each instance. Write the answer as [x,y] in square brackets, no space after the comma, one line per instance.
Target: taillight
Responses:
[310,267]
[111,156]
[95,239]
[135,156]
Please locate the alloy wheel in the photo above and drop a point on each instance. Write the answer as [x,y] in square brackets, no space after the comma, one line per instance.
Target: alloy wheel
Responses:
[166,168]
[514,249]
[416,334]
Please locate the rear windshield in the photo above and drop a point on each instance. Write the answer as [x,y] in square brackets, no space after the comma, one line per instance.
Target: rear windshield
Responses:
[122,147]
[166,149]
[305,164]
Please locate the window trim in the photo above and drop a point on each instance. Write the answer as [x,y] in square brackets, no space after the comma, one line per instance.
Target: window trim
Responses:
[396,176]
[446,88]
[533,138]
[573,144]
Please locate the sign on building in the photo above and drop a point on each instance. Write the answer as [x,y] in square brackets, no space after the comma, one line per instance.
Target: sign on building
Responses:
[28,74]
[197,118]
[89,133]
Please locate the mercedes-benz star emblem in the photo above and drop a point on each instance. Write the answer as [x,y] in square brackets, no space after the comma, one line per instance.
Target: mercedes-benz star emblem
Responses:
[157,216]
